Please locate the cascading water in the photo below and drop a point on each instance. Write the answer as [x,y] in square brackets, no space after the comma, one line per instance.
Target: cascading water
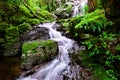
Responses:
[60,67]
[79,7]
[53,70]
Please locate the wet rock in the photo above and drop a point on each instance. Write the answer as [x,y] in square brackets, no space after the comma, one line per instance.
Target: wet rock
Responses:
[36,34]
[61,13]
[37,52]
[76,72]
[10,42]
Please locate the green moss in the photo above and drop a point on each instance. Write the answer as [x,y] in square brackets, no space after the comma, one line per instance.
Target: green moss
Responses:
[24,27]
[99,4]
[12,31]
[25,11]
[19,19]
[69,7]
[93,23]
[47,16]
[12,34]
[118,47]
[2,40]
[32,46]
[3,26]
[99,72]
[33,21]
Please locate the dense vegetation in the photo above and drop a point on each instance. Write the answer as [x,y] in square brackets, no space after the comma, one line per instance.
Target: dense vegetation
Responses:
[98,30]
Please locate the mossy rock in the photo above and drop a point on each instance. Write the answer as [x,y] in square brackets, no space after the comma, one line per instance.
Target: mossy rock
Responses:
[25,27]
[12,34]
[47,16]
[2,40]
[36,52]
[11,49]
[33,21]
[3,26]
[33,45]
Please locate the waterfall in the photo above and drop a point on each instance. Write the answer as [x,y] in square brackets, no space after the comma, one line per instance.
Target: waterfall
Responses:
[55,69]
[79,7]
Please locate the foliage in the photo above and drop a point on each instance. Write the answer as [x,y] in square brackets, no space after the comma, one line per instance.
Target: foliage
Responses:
[99,50]
[24,27]
[94,21]
[12,34]
[99,71]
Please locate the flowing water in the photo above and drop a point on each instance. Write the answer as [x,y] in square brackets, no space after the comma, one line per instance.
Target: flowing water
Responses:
[79,7]
[60,68]
[53,70]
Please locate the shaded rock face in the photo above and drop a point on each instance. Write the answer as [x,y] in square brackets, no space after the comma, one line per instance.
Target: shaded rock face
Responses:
[37,52]
[36,34]
[11,50]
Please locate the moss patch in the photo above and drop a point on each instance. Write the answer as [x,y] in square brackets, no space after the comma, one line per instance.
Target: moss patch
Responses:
[24,27]
[32,46]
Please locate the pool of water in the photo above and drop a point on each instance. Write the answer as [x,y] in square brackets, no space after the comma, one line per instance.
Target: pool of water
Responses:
[10,68]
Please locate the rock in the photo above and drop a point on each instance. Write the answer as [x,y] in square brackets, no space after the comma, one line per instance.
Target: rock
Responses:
[12,35]
[25,27]
[36,34]
[37,52]
[61,13]
[76,72]
[10,42]
[11,49]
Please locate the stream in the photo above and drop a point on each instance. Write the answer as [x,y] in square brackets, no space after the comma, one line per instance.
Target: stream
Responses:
[61,68]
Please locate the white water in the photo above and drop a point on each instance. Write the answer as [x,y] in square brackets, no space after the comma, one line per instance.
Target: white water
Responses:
[79,7]
[53,70]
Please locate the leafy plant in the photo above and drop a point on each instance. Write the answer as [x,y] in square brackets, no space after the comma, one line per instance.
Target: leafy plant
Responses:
[98,49]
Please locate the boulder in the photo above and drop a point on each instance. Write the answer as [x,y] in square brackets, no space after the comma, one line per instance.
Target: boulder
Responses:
[36,34]
[11,49]
[37,52]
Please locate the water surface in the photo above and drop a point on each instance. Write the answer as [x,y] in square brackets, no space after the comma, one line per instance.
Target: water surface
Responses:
[10,68]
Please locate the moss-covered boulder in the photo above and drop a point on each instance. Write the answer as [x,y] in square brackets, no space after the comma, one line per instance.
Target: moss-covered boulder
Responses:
[3,26]
[9,40]
[12,35]
[36,52]
[25,27]
[86,24]
[13,49]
